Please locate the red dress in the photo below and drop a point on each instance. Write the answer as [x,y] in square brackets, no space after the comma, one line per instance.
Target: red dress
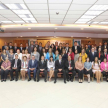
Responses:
[72,55]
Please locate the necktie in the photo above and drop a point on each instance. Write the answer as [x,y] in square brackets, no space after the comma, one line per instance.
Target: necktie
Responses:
[99,55]
[105,55]
[56,47]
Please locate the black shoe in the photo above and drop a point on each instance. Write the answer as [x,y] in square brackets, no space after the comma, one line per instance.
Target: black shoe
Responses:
[34,79]
[12,79]
[55,81]
[16,79]
[4,80]
[71,80]
[37,80]
[67,79]
[1,80]
[45,80]
[65,82]
[29,79]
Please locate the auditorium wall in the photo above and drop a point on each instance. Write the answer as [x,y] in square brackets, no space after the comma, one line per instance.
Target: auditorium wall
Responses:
[2,40]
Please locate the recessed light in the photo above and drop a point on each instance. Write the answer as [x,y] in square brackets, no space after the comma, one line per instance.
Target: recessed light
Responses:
[86,37]
[82,28]
[37,36]
[71,36]
[29,28]
[21,36]
[55,28]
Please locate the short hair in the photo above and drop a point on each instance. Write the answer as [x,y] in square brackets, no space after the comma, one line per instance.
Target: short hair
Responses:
[25,57]
[16,55]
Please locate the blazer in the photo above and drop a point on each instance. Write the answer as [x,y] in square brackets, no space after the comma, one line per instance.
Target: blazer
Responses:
[91,56]
[58,65]
[64,57]
[18,63]
[20,49]
[55,48]
[101,48]
[72,64]
[30,49]
[3,47]
[71,55]
[78,49]
[48,56]
[42,66]
[34,65]
[101,56]
[68,49]
[60,50]
[103,66]
[11,47]
[15,50]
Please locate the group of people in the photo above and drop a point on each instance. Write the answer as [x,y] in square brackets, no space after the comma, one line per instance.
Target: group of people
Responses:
[53,59]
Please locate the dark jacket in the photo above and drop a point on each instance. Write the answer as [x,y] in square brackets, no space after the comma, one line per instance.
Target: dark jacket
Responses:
[92,57]
[42,66]
[72,64]
[58,65]
[18,63]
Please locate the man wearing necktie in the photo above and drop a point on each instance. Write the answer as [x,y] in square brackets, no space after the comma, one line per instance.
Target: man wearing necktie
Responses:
[31,47]
[59,67]
[42,67]
[105,53]
[32,67]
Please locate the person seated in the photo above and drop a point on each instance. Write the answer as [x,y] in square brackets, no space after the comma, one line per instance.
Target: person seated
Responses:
[59,67]
[32,67]
[70,68]
[42,67]
[79,65]
[50,53]
[104,68]
[96,69]
[5,68]
[51,67]
[88,69]
[15,66]
[24,67]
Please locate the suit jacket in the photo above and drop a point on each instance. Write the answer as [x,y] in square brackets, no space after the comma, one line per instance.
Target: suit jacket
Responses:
[101,48]
[15,50]
[42,66]
[64,57]
[67,64]
[21,49]
[68,49]
[91,56]
[58,65]
[55,48]
[3,47]
[11,47]
[105,47]
[18,63]
[78,49]
[30,49]
[34,65]
[60,50]
[101,56]
[104,56]
[103,66]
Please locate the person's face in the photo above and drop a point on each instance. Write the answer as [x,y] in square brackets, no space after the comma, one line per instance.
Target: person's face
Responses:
[100,44]
[23,51]
[69,58]
[4,51]
[52,46]
[86,46]
[6,60]
[18,51]
[42,58]
[83,51]
[25,58]
[43,50]
[7,48]
[99,49]
[16,56]
[56,43]
[75,44]
[70,50]
[96,59]
[87,59]
[36,42]
[10,44]
[33,57]
[5,43]
[26,44]
[63,51]
[50,50]
[60,57]
[51,58]
[105,50]
[31,42]
[11,51]
[21,45]
[56,52]
[105,60]
[80,59]
[64,44]
[89,43]
[105,43]
[40,44]
[26,51]
[15,44]
[95,48]
[60,44]
[35,49]
[67,45]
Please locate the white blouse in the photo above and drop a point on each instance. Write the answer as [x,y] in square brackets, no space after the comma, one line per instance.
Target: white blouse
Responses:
[19,56]
[51,64]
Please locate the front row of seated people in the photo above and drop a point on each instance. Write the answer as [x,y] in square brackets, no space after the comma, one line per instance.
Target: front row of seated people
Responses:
[53,67]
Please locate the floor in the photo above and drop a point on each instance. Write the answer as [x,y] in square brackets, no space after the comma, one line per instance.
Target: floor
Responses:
[24,94]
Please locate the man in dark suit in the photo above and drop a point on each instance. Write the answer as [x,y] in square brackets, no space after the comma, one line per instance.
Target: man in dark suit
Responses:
[70,68]
[40,50]
[56,46]
[31,47]
[105,54]
[15,66]
[21,47]
[67,48]
[42,67]
[59,67]
[92,55]
[5,45]
[36,44]
[15,48]
[76,47]
[105,45]
[100,46]
[32,67]
[10,46]
[26,48]
[89,45]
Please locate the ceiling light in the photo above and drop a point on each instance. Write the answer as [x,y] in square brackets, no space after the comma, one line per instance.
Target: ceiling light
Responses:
[93,12]
[88,16]
[103,22]
[82,28]
[55,28]
[37,36]
[95,22]
[86,37]
[83,20]
[23,6]
[28,19]
[18,21]
[29,28]
[21,36]
[80,22]
[6,22]
[71,36]
[99,7]
[21,11]
[3,6]
[22,16]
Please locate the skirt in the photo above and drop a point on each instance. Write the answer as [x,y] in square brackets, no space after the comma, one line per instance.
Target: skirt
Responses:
[24,69]
[95,70]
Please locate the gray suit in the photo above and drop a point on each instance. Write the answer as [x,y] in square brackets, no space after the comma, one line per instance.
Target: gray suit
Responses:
[30,49]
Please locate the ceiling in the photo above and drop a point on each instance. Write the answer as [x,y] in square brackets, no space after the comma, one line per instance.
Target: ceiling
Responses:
[54,12]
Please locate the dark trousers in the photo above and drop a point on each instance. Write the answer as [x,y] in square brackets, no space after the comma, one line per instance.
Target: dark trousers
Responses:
[16,73]
[80,73]
[105,74]
[4,74]
[88,72]
[63,71]
[73,73]
[34,72]
[45,73]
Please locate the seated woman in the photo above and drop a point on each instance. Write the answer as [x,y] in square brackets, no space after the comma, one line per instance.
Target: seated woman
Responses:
[64,55]
[96,69]
[79,65]
[19,54]
[88,68]
[11,55]
[83,55]
[35,53]
[51,67]
[5,68]
[70,53]
[56,55]
[49,54]
[3,55]
[76,56]
[104,68]
[24,67]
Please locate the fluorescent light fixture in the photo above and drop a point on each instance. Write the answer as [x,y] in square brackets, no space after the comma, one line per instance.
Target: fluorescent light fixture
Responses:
[80,22]
[29,28]
[93,12]
[103,22]
[3,6]
[21,11]
[30,16]
[88,16]
[22,16]
[18,21]
[16,6]
[6,22]
[99,7]
[34,21]
[55,28]
[21,36]
[95,22]
[28,19]
[83,20]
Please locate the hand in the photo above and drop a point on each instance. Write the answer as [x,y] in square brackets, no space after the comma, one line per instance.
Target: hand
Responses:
[14,68]
[60,70]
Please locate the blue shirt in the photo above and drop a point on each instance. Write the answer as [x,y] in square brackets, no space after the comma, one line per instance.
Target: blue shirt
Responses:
[88,65]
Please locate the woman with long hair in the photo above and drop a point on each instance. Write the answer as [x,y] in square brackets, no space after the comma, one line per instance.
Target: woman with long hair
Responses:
[76,55]
[96,69]
[70,53]
[64,55]
[11,55]
[3,55]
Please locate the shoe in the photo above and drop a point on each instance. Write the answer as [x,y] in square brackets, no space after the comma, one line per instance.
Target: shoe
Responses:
[71,80]
[55,81]
[29,79]
[16,79]
[12,79]
[37,80]
[88,82]
[34,79]
[67,79]
[4,80]
[45,80]
[65,82]
[1,80]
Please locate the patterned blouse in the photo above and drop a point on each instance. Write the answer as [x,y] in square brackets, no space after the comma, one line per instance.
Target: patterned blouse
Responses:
[6,64]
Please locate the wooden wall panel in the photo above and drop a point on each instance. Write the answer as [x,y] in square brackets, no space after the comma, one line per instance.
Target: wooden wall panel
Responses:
[20,41]
[86,42]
